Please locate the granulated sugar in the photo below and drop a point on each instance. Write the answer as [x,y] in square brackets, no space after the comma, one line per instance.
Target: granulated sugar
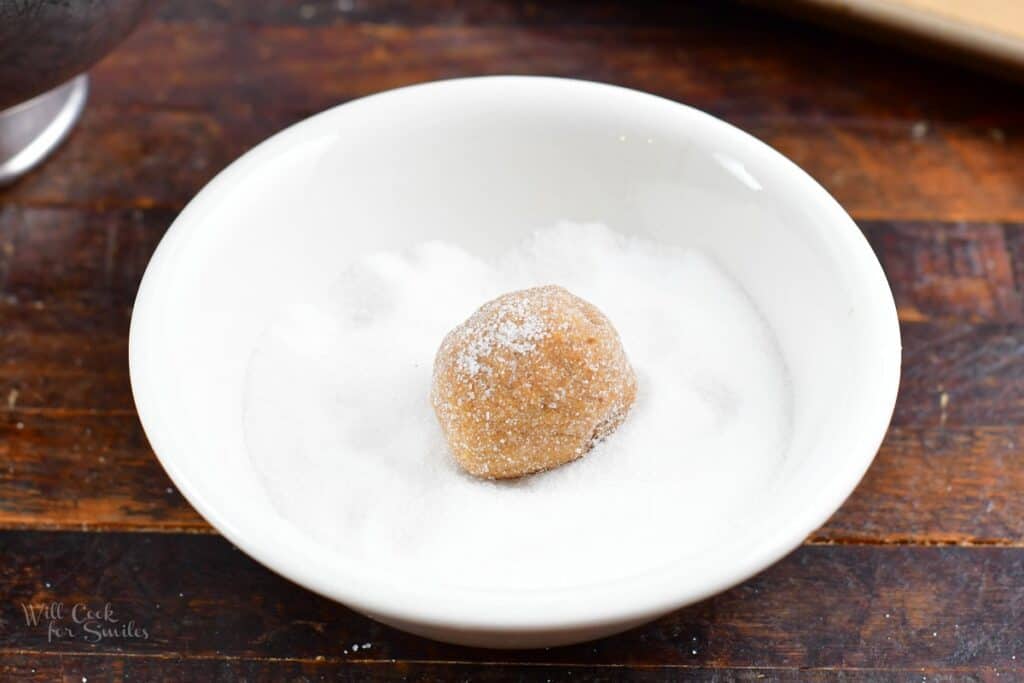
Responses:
[339,423]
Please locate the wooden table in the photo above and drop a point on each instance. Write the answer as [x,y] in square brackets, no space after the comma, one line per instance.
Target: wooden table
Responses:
[920,576]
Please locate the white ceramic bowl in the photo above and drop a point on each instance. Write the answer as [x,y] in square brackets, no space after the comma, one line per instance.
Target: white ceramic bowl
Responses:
[481,162]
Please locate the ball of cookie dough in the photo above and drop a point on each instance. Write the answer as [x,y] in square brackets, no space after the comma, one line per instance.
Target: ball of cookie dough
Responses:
[530,381]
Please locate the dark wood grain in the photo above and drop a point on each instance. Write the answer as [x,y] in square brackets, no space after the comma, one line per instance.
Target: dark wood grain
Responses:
[70,356]
[85,472]
[963,271]
[938,485]
[914,145]
[825,606]
[453,12]
[135,158]
[723,58]
[97,256]
[49,667]
[961,375]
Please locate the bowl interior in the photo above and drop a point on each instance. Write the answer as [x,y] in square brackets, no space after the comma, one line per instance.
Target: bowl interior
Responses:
[481,163]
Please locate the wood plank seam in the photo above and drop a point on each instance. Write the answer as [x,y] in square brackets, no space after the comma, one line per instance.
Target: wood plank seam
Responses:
[323,659]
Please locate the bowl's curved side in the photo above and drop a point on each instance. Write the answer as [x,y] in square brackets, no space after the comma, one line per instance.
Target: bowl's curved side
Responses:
[43,44]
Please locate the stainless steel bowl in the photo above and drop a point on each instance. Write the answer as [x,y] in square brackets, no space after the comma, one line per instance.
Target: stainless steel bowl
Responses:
[45,47]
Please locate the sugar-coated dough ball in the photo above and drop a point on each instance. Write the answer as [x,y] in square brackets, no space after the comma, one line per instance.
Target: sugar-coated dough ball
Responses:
[529,382]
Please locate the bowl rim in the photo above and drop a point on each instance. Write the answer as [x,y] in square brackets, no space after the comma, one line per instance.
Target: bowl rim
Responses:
[588,607]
